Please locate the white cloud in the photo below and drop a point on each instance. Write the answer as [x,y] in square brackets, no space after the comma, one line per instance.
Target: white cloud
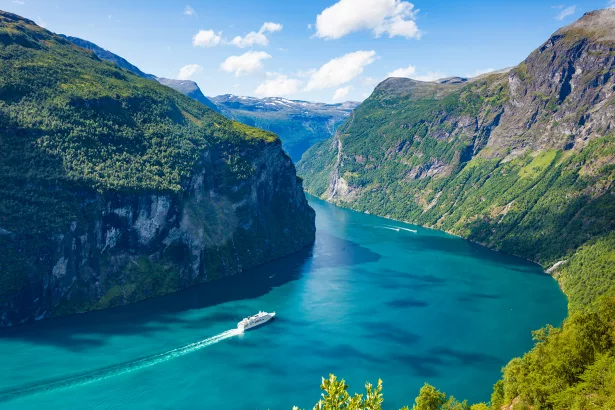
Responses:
[188,71]
[392,17]
[430,76]
[189,11]
[246,63]
[259,37]
[481,72]
[207,38]
[340,70]
[341,93]
[310,25]
[270,27]
[278,85]
[19,2]
[611,4]
[568,11]
[403,72]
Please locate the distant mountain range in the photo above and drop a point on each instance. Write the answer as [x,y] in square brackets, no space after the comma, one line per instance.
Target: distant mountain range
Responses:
[300,124]
[186,87]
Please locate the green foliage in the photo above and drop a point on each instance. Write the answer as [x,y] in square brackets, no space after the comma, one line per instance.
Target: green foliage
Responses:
[107,128]
[430,398]
[74,129]
[335,396]
[569,368]
[589,273]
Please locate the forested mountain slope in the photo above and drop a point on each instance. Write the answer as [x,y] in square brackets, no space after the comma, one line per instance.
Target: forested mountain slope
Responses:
[300,124]
[186,87]
[114,188]
[521,161]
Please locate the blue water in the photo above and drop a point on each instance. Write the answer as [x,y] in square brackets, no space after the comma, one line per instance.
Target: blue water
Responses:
[366,301]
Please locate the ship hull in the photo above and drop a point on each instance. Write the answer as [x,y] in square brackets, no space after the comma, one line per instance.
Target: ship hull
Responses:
[251,326]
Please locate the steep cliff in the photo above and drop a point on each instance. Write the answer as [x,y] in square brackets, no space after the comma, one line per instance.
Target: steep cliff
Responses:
[521,160]
[114,188]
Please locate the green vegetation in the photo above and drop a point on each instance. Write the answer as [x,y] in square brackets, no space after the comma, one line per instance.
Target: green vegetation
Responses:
[335,396]
[569,368]
[536,182]
[71,119]
[77,132]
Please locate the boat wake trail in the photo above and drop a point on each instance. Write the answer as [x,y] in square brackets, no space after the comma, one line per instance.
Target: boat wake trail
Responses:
[115,370]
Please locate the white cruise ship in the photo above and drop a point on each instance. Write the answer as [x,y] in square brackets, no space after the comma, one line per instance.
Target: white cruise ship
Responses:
[254,321]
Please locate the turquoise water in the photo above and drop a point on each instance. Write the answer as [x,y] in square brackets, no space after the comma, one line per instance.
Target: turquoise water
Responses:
[365,302]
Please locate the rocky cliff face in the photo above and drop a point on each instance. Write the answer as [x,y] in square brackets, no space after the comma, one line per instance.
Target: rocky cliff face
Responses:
[520,160]
[124,248]
[114,188]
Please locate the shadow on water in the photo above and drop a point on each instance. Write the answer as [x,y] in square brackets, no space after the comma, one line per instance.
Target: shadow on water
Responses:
[83,331]
[462,247]
[438,360]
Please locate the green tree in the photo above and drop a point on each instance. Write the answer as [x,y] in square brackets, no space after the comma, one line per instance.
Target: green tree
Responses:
[335,396]
[429,398]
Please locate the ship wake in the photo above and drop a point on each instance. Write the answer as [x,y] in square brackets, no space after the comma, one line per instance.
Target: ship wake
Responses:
[115,370]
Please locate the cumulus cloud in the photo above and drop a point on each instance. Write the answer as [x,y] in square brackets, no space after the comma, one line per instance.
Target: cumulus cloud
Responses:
[392,17]
[430,76]
[403,72]
[189,11]
[246,63]
[207,38]
[340,70]
[259,37]
[278,85]
[565,12]
[341,93]
[188,71]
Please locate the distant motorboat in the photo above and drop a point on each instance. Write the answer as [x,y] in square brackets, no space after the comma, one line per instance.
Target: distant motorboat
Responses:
[253,321]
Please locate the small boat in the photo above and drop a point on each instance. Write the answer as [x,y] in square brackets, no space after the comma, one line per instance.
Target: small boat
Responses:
[254,321]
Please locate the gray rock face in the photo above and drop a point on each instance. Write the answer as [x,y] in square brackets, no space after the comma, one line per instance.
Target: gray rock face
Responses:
[125,248]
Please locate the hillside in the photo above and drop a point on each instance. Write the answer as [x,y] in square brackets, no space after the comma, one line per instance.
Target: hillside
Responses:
[300,124]
[521,161]
[186,87]
[114,188]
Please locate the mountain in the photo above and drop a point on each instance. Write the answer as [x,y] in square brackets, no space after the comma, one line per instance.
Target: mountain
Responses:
[300,124]
[521,161]
[114,188]
[187,87]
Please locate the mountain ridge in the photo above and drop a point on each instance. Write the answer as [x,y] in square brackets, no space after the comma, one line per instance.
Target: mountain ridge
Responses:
[299,123]
[186,87]
[550,119]
[115,188]
[522,162]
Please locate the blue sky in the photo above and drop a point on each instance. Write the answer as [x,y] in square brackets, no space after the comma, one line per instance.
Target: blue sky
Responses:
[318,50]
